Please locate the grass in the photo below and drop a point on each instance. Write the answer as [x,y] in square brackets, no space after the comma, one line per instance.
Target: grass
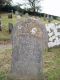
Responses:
[51,64]
[46,21]
[5,63]
[4,34]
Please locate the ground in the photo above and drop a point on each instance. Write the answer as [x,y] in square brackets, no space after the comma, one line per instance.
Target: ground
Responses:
[51,60]
[52,63]
[5,61]
[51,57]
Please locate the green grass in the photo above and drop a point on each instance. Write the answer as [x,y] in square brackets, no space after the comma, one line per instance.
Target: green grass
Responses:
[5,63]
[4,34]
[46,21]
[51,64]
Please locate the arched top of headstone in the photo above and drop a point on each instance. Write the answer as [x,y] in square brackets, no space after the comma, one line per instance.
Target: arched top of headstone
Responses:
[33,27]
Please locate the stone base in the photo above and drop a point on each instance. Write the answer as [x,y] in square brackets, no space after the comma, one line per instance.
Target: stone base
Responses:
[17,77]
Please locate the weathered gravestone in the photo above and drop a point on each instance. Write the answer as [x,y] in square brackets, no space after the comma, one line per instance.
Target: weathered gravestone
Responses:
[10,15]
[10,25]
[0,24]
[29,41]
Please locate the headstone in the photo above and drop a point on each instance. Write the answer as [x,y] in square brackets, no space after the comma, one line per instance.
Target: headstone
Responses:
[21,14]
[29,41]
[10,15]
[0,24]
[44,17]
[49,18]
[10,27]
[26,15]
[18,17]
[16,12]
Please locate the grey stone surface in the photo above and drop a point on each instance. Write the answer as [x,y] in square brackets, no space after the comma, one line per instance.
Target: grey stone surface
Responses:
[10,16]
[29,39]
[10,25]
[0,26]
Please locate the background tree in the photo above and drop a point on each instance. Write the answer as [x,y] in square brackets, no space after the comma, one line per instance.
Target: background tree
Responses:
[34,4]
[5,5]
[5,2]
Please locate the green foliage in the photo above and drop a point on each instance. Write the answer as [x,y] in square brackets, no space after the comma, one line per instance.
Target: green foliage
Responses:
[4,2]
[3,76]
